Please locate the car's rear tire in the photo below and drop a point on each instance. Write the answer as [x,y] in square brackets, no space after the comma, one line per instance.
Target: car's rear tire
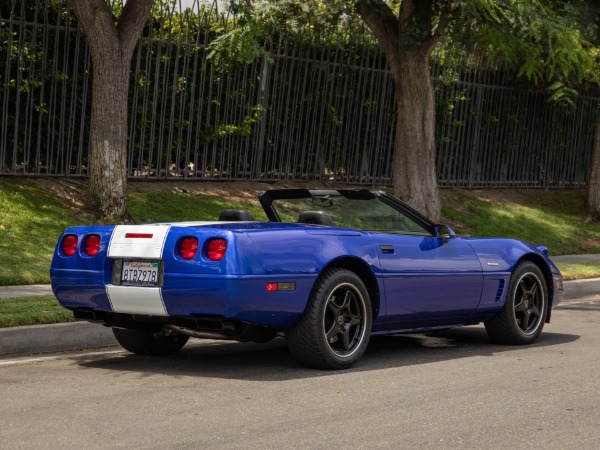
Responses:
[143,342]
[334,331]
[522,318]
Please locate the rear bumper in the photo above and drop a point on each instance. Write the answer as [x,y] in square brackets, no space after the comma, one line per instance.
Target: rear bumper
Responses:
[240,298]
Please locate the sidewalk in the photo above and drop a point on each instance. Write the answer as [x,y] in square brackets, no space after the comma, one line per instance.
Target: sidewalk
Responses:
[576,258]
[25,291]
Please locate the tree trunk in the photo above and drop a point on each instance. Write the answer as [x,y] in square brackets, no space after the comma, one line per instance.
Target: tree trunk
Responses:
[592,198]
[414,167]
[408,41]
[108,139]
[112,49]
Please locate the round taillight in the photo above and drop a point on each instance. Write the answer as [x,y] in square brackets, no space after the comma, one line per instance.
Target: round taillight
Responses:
[188,247]
[69,245]
[92,245]
[216,249]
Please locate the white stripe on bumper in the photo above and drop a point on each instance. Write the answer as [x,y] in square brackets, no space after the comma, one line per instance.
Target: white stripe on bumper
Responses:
[136,300]
[148,246]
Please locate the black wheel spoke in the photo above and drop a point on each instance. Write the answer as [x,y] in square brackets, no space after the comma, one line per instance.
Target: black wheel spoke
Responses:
[523,289]
[533,291]
[345,340]
[355,320]
[333,332]
[525,320]
[347,298]
[333,309]
[520,307]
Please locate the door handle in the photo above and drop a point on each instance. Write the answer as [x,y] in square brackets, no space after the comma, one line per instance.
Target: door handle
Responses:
[389,249]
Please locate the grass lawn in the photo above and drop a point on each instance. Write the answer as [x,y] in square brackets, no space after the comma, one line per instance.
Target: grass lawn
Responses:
[579,271]
[16,312]
[31,221]
[549,218]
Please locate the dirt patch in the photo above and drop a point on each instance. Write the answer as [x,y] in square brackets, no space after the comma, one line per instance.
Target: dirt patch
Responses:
[244,191]
[73,191]
[450,197]
[590,243]
[67,191]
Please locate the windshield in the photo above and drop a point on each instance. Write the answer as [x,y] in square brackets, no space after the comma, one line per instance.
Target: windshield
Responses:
[371,214]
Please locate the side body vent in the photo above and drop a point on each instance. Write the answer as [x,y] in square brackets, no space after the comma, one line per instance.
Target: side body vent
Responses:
[494,290]
[500,290]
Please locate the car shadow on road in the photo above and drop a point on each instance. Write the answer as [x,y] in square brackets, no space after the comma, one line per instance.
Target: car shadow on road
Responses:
[272,362]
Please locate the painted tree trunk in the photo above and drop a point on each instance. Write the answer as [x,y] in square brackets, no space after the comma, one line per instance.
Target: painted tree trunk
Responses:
[414,167]
[592,198]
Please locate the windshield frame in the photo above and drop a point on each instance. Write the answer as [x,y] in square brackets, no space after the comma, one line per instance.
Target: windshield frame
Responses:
[267,198]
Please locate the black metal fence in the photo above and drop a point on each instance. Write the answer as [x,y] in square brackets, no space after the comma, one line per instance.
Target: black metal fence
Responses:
[321,109]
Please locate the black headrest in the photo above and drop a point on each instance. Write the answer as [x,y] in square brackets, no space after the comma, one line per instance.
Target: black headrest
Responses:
[316,217]
[235,215]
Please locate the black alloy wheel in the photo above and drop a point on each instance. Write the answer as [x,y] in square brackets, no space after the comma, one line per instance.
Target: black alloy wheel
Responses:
[343,320]
[529,303]
[524,313]
[334,331]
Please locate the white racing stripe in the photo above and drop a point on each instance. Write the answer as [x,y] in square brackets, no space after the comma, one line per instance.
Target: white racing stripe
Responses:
[136,300]
[138,241]
[131,242]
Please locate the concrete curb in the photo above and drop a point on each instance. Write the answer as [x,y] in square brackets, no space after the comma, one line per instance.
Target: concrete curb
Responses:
[582,288]
[69,336]
[54,338]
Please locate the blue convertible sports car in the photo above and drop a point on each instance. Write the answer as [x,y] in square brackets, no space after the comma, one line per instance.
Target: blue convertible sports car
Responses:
[328,270]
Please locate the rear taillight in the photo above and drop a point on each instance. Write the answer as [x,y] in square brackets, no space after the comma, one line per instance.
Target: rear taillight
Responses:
[216,249]
[69,245]
[92,245]
[188,247]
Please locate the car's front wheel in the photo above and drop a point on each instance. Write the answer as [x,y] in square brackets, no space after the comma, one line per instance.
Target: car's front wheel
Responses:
[522,318]
[334,331]
[144,342]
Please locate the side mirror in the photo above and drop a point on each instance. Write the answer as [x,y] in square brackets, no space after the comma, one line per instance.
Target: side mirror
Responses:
[322,202]
[444,233]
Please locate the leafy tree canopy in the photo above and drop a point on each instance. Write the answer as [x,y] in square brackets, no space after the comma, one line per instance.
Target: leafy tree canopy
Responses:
[549,43]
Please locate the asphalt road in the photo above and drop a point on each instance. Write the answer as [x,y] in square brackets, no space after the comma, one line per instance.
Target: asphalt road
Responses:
[457,390]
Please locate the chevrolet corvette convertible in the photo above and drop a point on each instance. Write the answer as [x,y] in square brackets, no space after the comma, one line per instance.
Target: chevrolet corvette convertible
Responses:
[329,269]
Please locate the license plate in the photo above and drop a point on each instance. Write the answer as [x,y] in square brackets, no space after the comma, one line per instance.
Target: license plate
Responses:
[140,273]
